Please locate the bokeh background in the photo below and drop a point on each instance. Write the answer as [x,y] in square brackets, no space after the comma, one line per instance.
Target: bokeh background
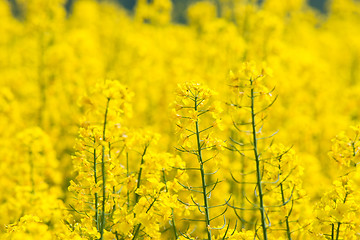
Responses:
[57,57]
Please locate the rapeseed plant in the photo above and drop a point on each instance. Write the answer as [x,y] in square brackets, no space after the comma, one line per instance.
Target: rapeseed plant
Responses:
[193,103]
[336,211]
[32,187]
[277,183]
[134,185]
[110,198]
[97,160]
[248,87]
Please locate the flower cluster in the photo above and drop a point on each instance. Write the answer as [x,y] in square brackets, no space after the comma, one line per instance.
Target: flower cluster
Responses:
[277,172]
[345,150]
[337,210]
[125,178]
[192,102]
[124,202]
[192,108]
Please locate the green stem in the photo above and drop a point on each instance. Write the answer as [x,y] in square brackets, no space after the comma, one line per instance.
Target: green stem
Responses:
[206,205]
[127,175]
[137,196]
[257,160]
[339,223]
[288,232]
[173,224]
[140,172]
[338,230]
[114,189]
[137,231]
[103,173]
[96,195]
[243,192]
[172,210]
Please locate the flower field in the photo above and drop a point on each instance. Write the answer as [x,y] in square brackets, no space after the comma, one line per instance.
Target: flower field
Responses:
[242,123]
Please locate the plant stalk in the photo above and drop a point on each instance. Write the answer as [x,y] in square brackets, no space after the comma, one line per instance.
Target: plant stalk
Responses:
[172,210]
[96,195]
[288,232]
[103,173]
[206,205]
[257,160]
